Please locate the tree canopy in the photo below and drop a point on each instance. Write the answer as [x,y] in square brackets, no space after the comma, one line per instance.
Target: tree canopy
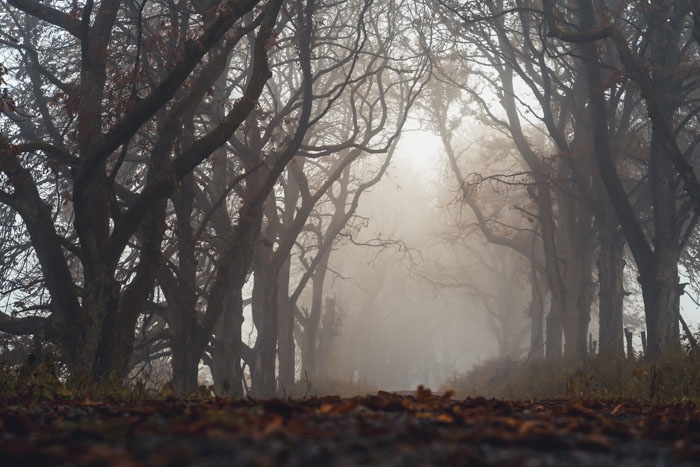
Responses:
[187,184]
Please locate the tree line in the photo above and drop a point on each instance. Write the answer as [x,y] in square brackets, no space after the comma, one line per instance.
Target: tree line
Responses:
[168,164]
[596,101]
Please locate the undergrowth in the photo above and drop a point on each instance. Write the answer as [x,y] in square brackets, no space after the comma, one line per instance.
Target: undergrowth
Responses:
[672,378]
[668,379]
[37,381]
[310,386]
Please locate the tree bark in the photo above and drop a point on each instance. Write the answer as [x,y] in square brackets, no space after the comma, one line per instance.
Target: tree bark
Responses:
[185,363]
[310,355]
[658,266]
[262,370]
[536,309]
[285,330]
[226,369]
[553,345]
[611,264]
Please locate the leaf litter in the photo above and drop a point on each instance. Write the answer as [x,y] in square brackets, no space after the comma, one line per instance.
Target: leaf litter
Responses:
[383,429]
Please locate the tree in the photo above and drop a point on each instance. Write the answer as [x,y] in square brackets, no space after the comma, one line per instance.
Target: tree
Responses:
[366,128]
[351,90]
[656,257]
[566,186]
[105,118]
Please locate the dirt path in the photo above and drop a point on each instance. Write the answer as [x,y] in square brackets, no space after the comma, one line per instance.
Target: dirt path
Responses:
[386,429]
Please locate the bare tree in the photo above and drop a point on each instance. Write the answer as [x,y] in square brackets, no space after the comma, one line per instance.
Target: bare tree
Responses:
[104,118]
[657,71]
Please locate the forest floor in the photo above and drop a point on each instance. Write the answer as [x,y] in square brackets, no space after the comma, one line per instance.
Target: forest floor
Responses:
[384,429]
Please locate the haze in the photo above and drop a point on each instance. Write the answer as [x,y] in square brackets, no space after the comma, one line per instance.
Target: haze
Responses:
[273,198]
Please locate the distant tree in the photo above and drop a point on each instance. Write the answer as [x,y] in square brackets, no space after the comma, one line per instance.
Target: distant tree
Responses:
[490,195]
[354,87]
[507,50]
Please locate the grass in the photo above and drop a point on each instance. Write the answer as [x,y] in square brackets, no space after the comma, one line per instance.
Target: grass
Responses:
[672,378]
[317,386]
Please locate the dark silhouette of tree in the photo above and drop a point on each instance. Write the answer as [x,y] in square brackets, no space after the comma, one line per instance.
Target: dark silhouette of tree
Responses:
[656,69]
[105,118]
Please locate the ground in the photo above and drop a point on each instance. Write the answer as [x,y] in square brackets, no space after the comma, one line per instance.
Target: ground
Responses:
[384,429]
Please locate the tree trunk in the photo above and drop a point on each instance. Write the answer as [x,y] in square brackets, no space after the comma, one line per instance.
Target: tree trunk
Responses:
[536,319]
[554,333]
[285,330]
[311,326]
[262,370]
[185,364]
[102,300]
[181,291]
[536,328]
[611,264]
[661,305]
[226,369]
[580,297]
[185,343]
[327,335]
[576,330]
[657,266]
[118,329]
[660,286]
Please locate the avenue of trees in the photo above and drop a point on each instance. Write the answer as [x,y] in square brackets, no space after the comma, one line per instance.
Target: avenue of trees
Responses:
[597,103]
[176,178]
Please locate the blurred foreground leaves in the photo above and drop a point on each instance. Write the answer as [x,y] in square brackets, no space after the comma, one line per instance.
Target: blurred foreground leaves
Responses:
[387,428]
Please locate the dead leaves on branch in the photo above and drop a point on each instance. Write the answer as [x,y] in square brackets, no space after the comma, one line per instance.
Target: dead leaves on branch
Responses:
[421,427]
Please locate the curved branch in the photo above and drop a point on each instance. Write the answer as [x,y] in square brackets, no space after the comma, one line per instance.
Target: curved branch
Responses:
[30,325]
[48,14]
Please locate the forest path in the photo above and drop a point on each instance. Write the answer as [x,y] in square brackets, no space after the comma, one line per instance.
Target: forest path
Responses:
[386,429]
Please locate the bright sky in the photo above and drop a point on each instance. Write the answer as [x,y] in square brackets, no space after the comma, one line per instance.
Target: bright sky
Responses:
[422,149]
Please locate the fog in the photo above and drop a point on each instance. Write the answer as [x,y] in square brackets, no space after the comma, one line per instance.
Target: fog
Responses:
[369,192]
[406,291]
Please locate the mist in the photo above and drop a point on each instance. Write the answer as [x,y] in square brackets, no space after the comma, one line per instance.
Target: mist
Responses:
[373,194]
[406,289]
